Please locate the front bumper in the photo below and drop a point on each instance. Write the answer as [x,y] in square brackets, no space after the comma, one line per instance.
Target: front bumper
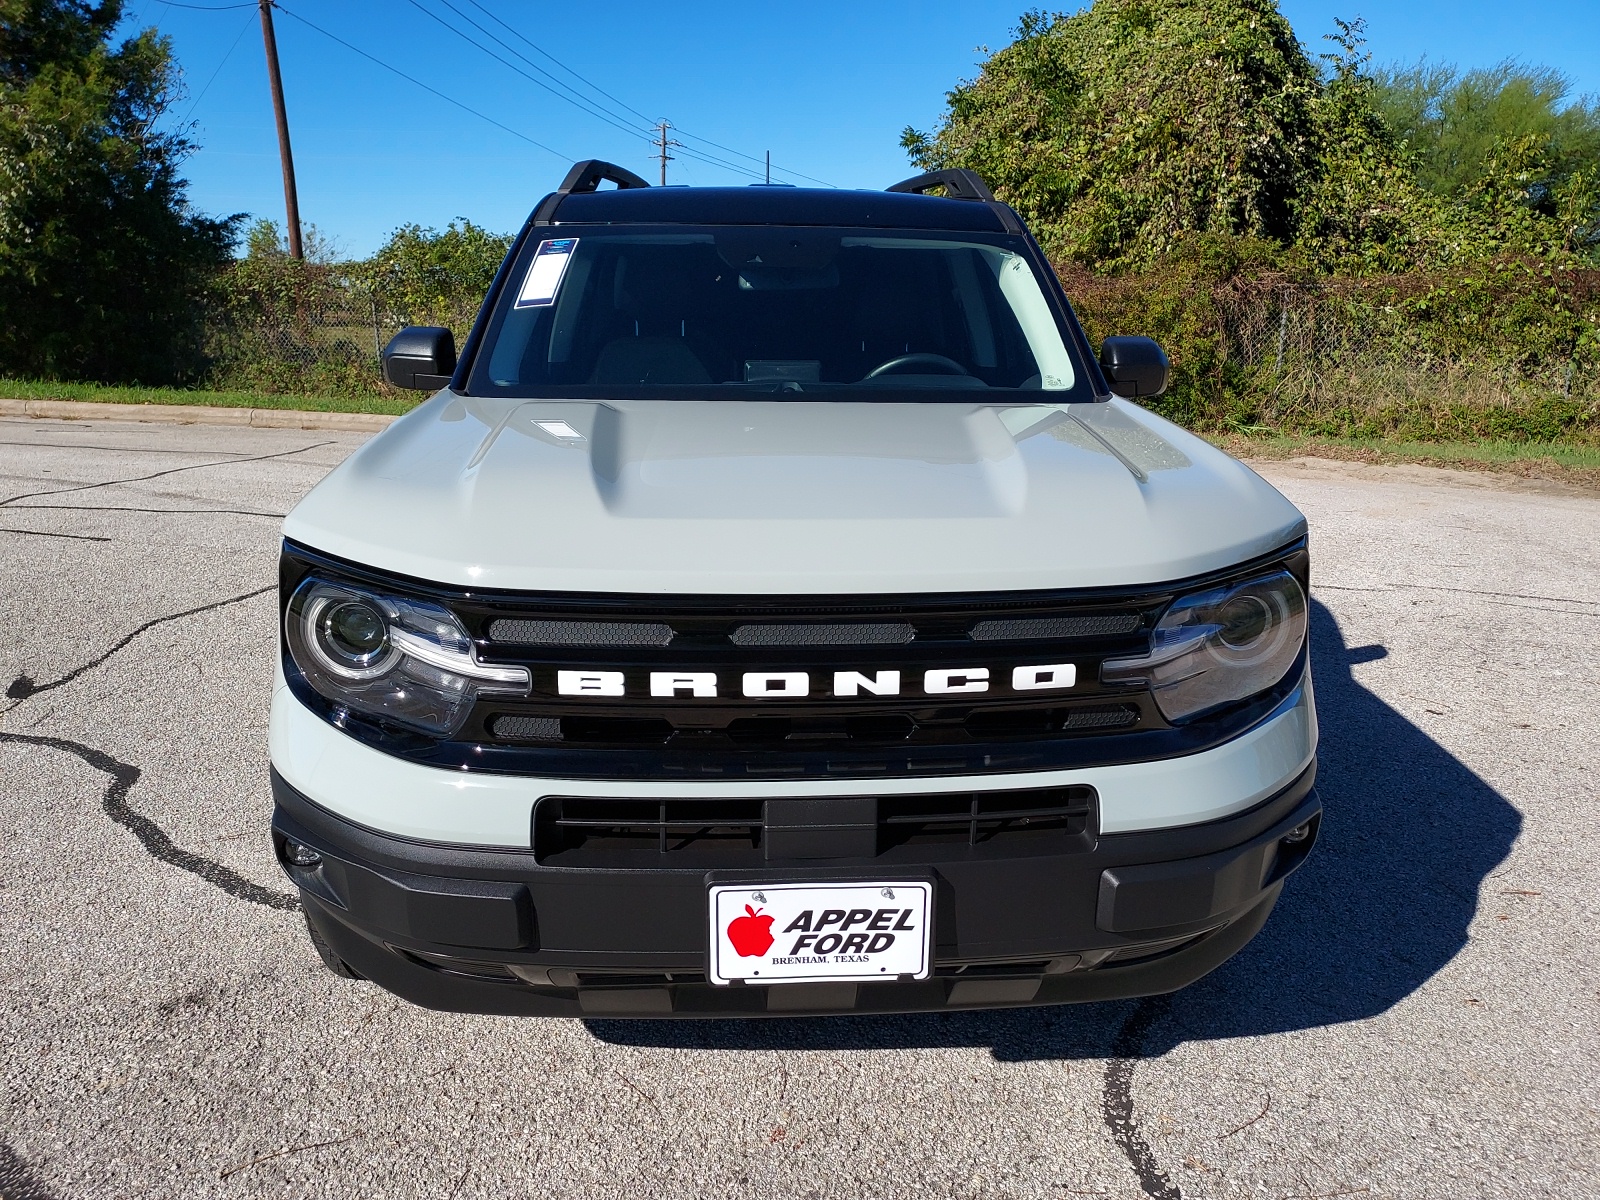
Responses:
[494,931]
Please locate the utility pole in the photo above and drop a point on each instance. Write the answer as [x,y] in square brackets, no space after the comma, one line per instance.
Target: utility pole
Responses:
[661,147]
[291,201]
[769,167]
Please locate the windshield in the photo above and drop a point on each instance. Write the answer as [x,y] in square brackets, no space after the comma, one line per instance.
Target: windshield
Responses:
[704,313]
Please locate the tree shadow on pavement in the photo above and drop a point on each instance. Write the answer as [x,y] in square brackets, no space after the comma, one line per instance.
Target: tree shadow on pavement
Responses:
[1408,835]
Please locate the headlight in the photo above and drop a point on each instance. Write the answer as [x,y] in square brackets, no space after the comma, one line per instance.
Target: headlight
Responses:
[403,660]
[1218,646]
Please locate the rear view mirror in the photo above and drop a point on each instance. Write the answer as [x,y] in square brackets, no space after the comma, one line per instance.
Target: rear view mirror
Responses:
[420,357]
[1134,366]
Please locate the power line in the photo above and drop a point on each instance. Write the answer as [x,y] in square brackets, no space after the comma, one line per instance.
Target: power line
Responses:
[524,40]
[578,96]
[518,70]
[713,160]
[237,39]
[582,103]
[412,79]
[729,150]
[701,156]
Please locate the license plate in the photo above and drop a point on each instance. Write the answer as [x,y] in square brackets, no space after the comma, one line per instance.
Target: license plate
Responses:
[794,933]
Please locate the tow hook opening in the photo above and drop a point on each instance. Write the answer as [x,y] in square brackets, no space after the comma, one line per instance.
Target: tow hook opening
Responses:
[1298,834]
[1294,848]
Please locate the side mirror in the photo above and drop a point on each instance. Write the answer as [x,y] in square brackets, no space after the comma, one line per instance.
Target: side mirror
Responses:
[420,357]
[1134,366]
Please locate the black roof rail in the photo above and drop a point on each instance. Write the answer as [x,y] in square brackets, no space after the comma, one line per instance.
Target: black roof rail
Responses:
[585,176]
[588,175]
[957,182]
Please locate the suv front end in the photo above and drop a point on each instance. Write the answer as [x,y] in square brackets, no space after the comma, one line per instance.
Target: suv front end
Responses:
[741,691]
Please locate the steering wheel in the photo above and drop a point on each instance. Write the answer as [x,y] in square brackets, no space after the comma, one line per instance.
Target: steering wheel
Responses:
[918,364]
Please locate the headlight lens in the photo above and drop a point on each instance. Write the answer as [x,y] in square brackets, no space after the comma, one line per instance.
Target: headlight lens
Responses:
[387,656]
[1218,646]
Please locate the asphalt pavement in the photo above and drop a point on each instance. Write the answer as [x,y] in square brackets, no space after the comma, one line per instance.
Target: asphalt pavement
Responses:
[1421,1017]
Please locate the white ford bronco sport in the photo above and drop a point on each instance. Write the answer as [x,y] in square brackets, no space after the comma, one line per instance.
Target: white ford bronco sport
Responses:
[779,609]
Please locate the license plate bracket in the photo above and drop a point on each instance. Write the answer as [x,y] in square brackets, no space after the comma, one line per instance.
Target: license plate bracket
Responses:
[820,931]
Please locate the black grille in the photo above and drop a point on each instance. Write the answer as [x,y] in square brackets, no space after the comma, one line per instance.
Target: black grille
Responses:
[880,634]
[1050,628]
[815,733]
[1119,717]
[528,729]
[1042,722]
[605,831]
[580,633]
[978,817]
[661,687]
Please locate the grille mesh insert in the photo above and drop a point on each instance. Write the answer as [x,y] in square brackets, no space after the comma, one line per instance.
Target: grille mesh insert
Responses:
[528,729]
[1018,629]
[895,633]
[979,817]
[1101,718]
[580,633]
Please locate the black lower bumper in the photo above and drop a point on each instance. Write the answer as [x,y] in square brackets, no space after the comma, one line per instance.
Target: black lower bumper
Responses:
[494,931]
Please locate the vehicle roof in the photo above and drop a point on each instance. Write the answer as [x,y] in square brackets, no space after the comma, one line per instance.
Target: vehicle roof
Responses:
[767,205]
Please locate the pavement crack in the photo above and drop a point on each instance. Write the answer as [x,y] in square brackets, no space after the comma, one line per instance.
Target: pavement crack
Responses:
[259,1159]
[17,1178]
[221,462]
[238,512]
[110,449]
[154,839]
[23,687]
[71,537]
[1430,587]
[1266,1107]
[1117,1099]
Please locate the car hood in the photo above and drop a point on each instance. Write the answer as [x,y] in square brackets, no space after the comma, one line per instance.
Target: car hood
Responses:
[789,498]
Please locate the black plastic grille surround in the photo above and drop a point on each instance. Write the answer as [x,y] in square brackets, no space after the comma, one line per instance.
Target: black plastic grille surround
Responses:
[701,834]
[693,731]
[730,736]
[874,728]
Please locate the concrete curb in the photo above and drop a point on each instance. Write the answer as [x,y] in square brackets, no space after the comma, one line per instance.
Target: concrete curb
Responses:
[195,414]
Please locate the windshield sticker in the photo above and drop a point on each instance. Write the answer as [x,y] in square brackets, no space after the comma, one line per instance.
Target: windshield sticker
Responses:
[544,276]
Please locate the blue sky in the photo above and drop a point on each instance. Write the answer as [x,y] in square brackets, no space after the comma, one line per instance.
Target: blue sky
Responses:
[826,86]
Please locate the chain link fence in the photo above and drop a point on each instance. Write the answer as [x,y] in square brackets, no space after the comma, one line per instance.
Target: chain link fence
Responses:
[1309,350]
[1342,356]
[311,329]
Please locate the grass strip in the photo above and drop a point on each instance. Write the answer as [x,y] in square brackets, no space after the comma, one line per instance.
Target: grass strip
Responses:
[25,389]
[1575,463]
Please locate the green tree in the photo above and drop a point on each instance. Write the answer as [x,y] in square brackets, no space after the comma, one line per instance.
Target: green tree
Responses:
[428,276]
[103,264]
[1458,123]
[1364,211]
[1125,129]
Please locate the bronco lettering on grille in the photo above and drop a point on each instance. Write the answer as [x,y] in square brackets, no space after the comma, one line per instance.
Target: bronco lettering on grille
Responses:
[795,685]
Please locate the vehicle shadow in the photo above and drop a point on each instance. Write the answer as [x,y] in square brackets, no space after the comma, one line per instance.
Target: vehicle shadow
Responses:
[1408,835]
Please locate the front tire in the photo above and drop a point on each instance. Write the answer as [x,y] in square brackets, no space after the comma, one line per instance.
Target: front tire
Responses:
[325,952]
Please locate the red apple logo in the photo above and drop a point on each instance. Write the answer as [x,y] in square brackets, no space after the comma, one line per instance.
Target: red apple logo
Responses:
[751,934]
